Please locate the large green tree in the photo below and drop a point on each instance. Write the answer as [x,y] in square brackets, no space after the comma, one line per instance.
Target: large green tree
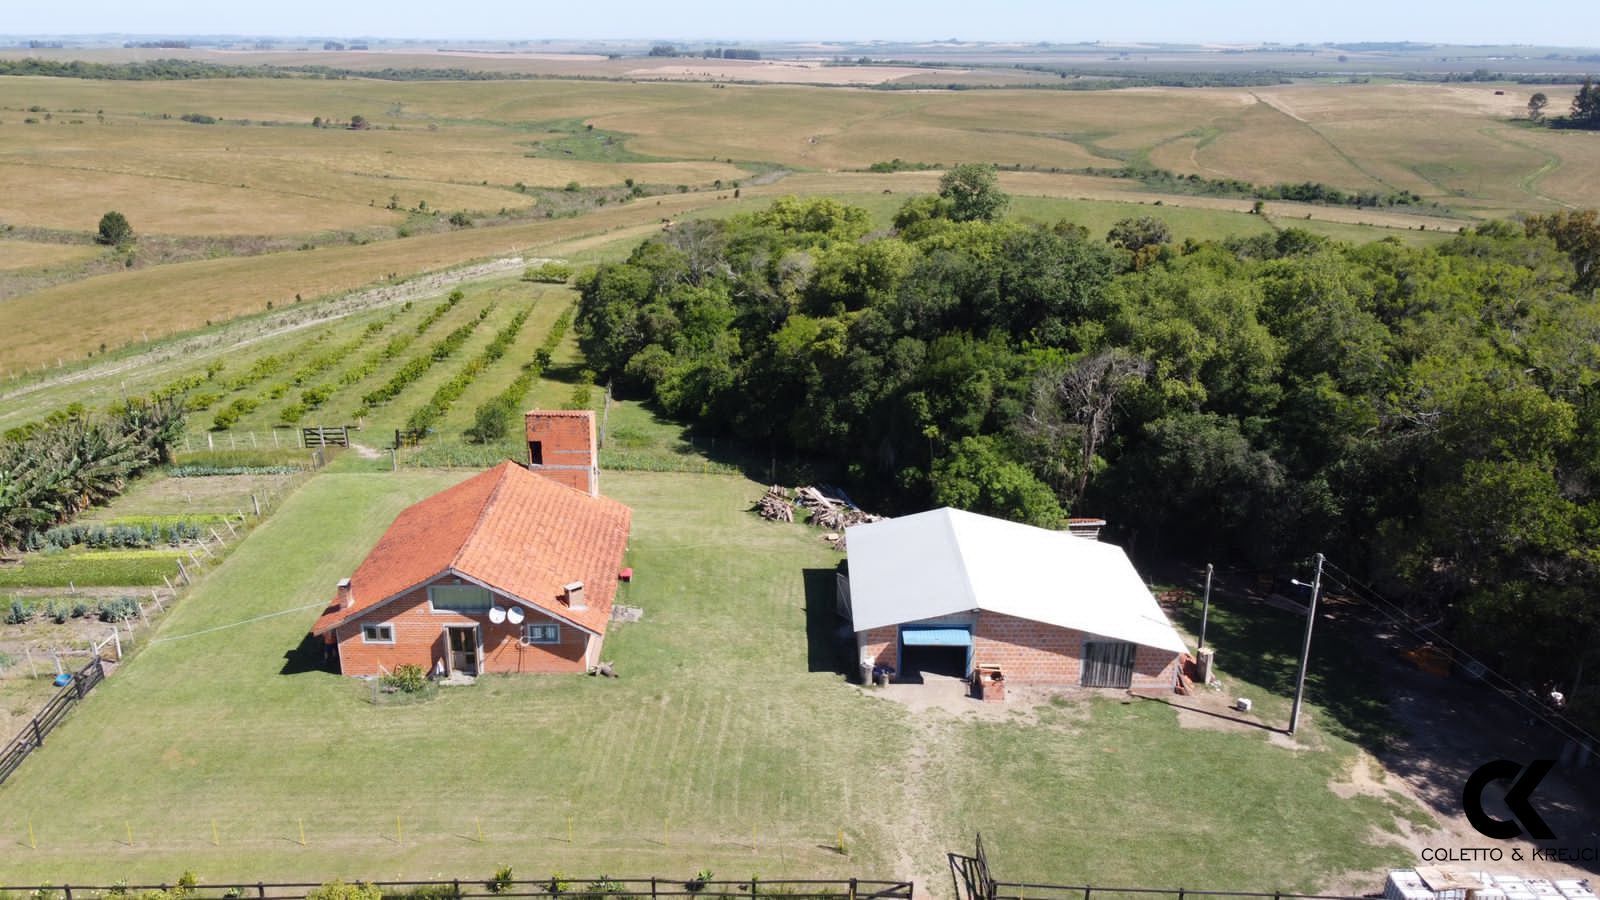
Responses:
[972,192]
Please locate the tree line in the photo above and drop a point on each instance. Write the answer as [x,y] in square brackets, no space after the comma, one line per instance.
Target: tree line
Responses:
[1431,415]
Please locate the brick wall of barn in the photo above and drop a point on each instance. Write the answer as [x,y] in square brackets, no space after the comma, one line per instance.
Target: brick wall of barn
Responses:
[419,638]
[1034,653]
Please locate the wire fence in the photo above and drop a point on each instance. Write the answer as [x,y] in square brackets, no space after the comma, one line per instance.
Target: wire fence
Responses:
[568,888]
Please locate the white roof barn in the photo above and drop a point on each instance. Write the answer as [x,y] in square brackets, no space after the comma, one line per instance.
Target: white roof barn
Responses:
[946,562]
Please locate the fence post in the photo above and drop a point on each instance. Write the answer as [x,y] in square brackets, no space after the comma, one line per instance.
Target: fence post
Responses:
[261,890]
[852,889]
[66,891]
[1086,890]
[38,735]
[652,887]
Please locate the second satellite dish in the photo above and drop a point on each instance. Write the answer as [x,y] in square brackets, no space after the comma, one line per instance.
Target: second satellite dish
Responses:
[497,614]
[515,614]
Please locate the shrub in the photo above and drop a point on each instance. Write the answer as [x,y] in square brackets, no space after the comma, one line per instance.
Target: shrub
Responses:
[502,880]
[339,890]
[551,272]
[114,229]
[119,610]
[17,614]
[409,678]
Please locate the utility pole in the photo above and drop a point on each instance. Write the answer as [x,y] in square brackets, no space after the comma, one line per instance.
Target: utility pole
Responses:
[1305,649]
[1205,609]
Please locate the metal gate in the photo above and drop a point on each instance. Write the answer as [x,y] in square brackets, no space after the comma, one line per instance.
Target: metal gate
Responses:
[1107,664]
[971,874]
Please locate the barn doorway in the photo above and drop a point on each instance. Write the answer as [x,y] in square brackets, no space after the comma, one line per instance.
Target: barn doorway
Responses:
[936,652]
[463,649]
[1108,664]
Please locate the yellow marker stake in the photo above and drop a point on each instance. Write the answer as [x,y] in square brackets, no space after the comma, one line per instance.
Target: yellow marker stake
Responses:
[302,831]
[569,829]
[399,836]
[125,824]
[841,842]
[216,839]
[480,829]
[31,842]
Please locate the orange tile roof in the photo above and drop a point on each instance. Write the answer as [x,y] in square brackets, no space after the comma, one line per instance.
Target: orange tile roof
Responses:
[521,534]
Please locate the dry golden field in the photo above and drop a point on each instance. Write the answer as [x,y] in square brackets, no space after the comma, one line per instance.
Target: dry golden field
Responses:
[110,311]
[486,147]
[16,255]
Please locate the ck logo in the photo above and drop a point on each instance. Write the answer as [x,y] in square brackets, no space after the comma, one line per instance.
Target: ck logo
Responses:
[1523,781]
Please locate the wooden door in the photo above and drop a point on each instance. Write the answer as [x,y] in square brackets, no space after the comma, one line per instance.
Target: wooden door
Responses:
[464,650]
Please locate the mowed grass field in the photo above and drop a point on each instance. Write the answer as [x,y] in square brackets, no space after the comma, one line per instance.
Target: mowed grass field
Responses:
[728,743]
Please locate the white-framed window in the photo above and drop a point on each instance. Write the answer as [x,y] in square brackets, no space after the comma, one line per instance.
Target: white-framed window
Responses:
[468,599]
[377,634]
[542,633]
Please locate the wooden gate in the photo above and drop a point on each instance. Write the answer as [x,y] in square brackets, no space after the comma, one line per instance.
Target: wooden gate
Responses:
[325,437]
[1107,664]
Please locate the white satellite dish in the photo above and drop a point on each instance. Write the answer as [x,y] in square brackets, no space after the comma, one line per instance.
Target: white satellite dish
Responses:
[516,615]
[497,614]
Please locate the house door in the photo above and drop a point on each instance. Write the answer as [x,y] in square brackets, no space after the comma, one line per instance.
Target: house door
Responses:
[1107,664]
[463,650]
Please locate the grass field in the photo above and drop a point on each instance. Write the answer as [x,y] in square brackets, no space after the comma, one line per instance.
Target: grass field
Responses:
[477,146]
[22,255]
[729,743]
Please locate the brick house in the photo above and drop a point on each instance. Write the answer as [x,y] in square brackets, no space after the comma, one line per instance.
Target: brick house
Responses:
[508,571]
[945,591]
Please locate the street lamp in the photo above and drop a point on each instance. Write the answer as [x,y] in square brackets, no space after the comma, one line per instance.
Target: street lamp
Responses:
[1305,648]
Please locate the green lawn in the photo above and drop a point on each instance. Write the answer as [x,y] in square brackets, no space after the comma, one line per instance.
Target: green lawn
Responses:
[728,743]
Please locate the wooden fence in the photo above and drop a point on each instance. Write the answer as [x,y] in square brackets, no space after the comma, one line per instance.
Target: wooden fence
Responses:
[275,439]
[602,888]
[33,734]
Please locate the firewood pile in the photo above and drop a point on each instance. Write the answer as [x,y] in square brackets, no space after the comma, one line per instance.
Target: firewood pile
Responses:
[829,512]
[774,506]
[834,514]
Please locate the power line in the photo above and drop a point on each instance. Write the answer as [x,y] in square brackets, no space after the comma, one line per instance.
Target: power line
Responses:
[1496,681]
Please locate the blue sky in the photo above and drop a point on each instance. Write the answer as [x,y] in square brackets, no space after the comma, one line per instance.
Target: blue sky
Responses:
[1567,22]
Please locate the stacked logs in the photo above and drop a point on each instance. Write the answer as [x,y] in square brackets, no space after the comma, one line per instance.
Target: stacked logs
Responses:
[774,506]
[826,512]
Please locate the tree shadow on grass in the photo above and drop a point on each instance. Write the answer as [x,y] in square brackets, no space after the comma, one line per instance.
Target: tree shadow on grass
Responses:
[306,657]
[827,644]
[1261,644]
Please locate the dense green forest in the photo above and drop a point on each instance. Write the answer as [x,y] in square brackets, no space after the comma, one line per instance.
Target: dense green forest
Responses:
[1430,417]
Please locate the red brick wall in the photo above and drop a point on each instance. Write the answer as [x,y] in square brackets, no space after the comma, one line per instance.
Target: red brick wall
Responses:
[1034,653]
[419,639]
[567,445]
[879,646]
[1028,652]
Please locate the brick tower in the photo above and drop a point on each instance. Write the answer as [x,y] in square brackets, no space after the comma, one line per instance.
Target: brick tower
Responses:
[561,446]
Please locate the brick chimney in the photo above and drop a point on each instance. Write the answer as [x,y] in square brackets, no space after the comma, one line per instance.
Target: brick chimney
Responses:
[574,596]
[561,447]
[346,597]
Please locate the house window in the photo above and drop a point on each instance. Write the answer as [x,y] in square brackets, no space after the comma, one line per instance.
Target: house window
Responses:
[541,634]
[377,634]
[468,599]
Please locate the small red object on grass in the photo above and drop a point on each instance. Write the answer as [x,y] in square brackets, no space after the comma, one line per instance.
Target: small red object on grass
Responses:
[626,574]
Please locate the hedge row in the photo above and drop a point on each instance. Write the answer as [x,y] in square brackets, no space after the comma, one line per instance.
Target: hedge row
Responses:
[492,418]
[418,366]
[451,390]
